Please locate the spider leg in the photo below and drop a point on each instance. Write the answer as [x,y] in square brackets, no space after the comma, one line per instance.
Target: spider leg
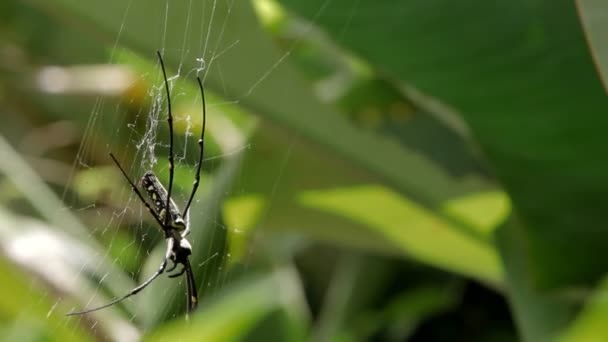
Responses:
[131,293]
[136,290]
[170,269]
[178,273]
[201,141]
[136,191]
[170,122]
[192,300]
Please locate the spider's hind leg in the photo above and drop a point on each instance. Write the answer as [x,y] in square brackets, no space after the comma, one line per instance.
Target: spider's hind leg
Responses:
[135,290]
[174,266]
[178,273]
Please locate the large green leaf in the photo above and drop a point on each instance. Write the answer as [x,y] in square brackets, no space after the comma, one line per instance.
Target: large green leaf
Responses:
[521,75]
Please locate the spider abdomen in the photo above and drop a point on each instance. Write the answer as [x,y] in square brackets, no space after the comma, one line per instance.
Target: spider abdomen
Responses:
[158,194]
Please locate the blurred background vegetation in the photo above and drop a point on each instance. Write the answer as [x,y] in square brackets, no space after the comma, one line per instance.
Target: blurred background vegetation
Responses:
[374,170]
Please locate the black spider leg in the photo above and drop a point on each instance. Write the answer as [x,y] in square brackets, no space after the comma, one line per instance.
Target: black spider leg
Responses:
[192,299]
[201,141]
[178,273]
[170,122]
[174,266]
[136,290]
[136,191]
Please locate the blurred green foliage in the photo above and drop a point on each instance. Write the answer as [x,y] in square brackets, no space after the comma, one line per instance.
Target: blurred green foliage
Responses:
[374,170]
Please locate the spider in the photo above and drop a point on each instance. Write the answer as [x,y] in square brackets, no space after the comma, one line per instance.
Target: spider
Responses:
[174,224]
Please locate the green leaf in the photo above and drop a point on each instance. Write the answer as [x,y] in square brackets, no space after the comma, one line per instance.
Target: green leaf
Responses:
[509,68]
[520,74]
[540,315]
[590,322]
[411,228]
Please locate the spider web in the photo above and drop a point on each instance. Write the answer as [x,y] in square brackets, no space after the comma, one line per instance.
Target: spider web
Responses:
[143,147]
[149,152]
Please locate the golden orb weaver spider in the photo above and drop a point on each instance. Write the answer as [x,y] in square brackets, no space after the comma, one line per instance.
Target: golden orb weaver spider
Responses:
[174,224]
